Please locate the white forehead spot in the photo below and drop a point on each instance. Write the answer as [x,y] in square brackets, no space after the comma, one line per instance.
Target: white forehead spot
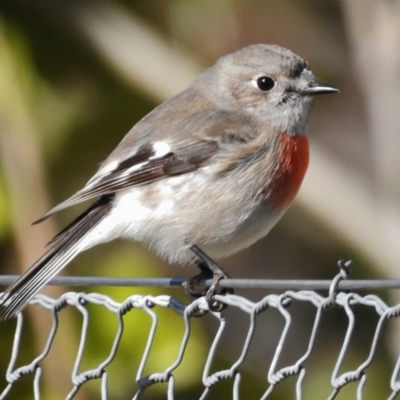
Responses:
[161,149]
[308,75]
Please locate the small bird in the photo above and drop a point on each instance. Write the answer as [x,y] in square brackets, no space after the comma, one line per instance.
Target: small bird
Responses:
[204,175]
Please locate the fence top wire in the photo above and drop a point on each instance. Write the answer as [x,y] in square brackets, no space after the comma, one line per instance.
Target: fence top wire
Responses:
[151,305]
[273,284]
[341,282]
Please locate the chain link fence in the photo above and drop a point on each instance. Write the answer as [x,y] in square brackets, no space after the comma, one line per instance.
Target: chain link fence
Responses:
[241,313]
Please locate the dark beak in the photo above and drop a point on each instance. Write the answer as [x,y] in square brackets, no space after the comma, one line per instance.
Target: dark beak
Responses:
[316,89]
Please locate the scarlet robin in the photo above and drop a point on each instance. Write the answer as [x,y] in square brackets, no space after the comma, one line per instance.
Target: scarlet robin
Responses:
[202,176]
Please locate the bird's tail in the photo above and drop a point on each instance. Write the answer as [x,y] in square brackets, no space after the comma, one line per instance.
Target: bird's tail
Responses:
[62,249]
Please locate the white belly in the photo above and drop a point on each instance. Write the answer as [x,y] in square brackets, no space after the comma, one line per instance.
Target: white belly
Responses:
[170,215]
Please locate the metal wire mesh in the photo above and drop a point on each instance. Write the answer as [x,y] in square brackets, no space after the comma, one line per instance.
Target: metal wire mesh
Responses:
[276,372]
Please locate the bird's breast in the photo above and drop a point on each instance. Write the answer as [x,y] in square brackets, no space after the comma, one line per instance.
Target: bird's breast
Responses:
[291,166]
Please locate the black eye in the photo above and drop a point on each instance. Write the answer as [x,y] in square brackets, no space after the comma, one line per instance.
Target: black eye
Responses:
[265,83]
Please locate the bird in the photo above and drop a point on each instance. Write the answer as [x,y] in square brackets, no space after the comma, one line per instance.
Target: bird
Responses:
[204,175]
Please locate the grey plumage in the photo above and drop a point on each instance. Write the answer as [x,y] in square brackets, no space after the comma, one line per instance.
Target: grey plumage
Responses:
[200,169]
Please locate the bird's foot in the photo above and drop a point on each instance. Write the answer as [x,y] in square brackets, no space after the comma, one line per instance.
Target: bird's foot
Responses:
[209,270]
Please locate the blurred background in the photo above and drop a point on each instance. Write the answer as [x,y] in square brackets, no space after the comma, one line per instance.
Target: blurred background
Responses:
[76,75]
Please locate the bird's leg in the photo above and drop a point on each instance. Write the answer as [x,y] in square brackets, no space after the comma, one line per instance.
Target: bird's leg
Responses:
[209,270]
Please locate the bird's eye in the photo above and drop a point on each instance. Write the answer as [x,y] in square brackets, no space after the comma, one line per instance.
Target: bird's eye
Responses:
[265,83]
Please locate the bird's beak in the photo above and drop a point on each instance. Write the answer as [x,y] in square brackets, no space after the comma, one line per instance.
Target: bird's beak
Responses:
[316,88]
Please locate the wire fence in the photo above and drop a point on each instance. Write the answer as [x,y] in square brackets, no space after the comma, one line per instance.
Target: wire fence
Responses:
[278,370]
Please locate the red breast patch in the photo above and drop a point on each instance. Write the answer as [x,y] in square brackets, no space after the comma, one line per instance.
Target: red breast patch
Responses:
[292,166]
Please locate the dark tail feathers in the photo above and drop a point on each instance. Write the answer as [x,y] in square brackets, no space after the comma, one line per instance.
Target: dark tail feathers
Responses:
[62,249]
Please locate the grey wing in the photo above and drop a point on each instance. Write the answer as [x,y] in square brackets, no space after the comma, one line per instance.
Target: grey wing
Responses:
[150,162]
